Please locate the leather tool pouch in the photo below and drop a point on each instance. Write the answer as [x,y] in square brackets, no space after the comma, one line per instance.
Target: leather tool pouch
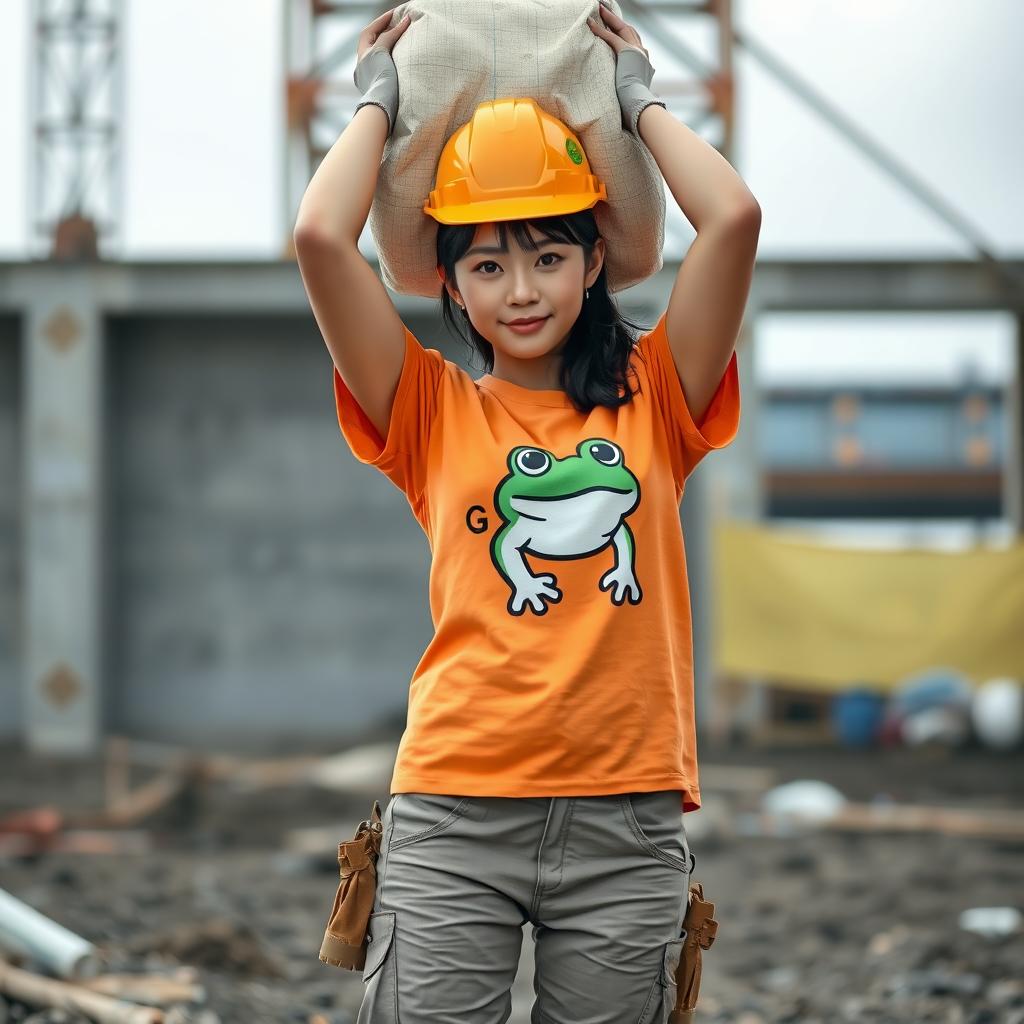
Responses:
[700,928]
[345,941]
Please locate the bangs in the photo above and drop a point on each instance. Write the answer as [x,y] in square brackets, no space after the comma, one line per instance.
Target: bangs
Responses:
[554,229]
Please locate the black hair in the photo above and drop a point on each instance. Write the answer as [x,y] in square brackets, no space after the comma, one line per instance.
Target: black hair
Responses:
[596,356]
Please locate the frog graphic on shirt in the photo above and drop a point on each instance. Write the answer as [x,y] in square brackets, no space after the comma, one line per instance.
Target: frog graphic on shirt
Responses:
[572,507]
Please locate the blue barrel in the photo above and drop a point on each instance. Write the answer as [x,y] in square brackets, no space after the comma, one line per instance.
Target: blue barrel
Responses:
[857,716]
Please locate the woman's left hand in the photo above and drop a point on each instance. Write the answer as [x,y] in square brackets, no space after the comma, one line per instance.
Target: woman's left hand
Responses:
[633,68]
[618,34]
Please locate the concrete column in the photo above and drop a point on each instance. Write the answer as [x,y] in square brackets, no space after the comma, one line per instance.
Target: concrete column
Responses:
[299,58]
[1013,471]
[726,486]
[697,523]
[63,377]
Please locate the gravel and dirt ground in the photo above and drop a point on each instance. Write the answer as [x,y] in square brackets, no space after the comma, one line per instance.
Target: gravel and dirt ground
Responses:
[816,928]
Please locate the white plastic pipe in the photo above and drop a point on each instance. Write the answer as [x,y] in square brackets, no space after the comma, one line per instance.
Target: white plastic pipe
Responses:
[26,931]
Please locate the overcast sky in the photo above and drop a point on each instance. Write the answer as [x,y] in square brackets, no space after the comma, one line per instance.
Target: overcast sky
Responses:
[937,82]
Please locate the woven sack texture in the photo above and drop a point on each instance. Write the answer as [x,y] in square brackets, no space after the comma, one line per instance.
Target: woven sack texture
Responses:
[457,54]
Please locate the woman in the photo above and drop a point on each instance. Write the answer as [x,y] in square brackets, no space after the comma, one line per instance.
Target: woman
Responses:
[550,745]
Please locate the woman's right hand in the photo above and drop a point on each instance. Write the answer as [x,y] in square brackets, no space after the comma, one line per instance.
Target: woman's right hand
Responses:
[377,32]
[633,68]
[376,76]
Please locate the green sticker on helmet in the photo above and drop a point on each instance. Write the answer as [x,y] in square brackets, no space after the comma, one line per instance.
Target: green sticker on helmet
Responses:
[574,151]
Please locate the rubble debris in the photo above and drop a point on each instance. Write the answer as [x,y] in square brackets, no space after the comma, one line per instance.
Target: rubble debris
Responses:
[218,943]
[80,841]
[808,799]
[931,707]
[36,990]
[890,816]
[152,989]
[810,803]
[997,713]
[39,823]
[992,922]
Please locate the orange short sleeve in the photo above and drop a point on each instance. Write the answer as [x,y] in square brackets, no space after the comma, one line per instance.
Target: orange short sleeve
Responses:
[402,456]
[689,441]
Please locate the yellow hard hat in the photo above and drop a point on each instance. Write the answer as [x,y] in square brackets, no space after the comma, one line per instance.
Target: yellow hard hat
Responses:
[513,160]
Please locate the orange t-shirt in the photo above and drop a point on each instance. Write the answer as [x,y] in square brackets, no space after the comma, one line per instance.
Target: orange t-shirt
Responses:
[562,660]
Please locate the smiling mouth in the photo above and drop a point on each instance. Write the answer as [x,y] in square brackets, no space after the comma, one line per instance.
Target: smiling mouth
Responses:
[525,323]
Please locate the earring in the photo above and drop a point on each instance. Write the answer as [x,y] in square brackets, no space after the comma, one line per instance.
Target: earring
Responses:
[587,292]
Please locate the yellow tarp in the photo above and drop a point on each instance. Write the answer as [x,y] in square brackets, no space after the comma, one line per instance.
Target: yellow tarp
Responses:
[808,612]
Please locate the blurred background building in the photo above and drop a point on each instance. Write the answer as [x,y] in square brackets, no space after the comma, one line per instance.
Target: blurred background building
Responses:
[189,552]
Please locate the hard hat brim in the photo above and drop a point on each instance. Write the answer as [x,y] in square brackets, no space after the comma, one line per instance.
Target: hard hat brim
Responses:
[515,209]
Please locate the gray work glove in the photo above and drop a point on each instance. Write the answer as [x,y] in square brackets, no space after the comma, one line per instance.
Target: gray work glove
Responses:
[633,74]
[376,77]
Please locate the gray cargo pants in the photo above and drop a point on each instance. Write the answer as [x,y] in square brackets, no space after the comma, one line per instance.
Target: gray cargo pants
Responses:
[603,879]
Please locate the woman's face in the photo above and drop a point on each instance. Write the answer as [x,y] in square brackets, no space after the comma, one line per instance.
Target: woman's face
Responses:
[497,287]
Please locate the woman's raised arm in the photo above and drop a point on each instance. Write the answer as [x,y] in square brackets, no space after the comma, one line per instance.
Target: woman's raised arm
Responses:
[705,309]
[358,321]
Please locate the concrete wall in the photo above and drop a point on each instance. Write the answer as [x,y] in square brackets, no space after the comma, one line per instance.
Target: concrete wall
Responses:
[11,492]
[261,582]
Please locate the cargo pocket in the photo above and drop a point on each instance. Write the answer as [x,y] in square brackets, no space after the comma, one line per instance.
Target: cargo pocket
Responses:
[662,998]
[673,953]
[380,974]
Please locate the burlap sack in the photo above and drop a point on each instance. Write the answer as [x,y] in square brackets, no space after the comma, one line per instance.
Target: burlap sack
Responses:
[458,53]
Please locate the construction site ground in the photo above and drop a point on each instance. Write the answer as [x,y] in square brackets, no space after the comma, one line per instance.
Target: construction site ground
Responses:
[815,927]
